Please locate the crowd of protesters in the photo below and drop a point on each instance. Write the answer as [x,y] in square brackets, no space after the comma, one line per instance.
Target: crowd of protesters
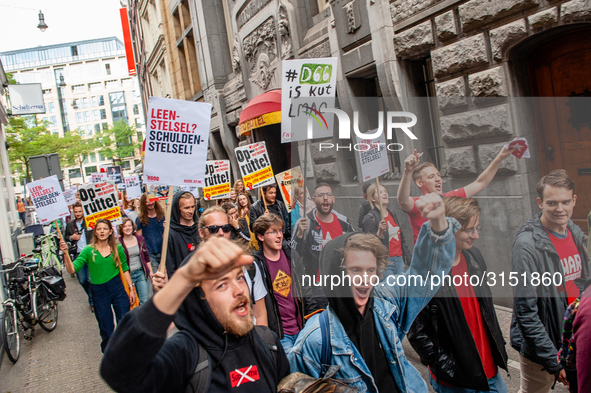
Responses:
[231,310]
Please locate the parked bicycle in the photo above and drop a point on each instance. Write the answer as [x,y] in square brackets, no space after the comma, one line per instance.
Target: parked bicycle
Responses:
[31,299]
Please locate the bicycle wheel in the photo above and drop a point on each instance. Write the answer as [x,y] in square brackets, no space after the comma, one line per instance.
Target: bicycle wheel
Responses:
[11,336]
[48,318]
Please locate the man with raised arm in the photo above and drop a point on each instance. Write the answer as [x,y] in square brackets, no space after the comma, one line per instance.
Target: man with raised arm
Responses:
[428,179]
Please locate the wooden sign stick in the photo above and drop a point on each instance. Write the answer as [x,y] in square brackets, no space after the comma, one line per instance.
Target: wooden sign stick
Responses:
[59,234]
[263,198]
[162,265]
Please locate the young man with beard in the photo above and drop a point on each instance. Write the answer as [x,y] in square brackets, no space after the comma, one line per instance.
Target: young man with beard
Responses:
[273,206]
[319,227]
[183,237]
[150,224]
[547,244]
[208,301]
[365,322]
[458,334]
[287,301]
[428,179]
[78,238]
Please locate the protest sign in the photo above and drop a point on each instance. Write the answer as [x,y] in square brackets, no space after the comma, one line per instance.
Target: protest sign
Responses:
[157,192]
[373,156]
[132,185]
[176,142]
[287,181]
[217,180]
[255,165]
[70,196]
[99,200]
[307,87]
[98,177]
[114,174]
[192,189]
[46,195]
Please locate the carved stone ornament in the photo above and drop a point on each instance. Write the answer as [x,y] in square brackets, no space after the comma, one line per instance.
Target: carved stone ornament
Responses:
[353,20]
[262,40]
[284,32]
[265,72]
[236,61]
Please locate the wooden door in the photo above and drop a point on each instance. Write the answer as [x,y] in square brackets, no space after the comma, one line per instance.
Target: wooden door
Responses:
[561,68]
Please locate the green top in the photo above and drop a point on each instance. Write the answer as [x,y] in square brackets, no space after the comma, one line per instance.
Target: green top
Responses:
[101,269]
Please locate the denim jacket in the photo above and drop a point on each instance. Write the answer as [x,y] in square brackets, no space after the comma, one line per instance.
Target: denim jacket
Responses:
[395,308]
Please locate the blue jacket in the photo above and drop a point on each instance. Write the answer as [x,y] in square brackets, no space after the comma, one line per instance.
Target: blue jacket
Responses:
[395,308]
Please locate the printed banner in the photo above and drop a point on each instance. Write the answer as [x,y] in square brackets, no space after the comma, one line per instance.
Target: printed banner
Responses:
[255,165]
[373,156]
[99,200]
[157,192]
[307,87]
[217,180]
[177,141]
[48,199]
[98,177]
[133,187]
[287,182]
[70,196]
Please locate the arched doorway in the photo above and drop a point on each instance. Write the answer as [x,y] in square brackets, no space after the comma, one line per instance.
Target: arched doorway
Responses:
[561,67]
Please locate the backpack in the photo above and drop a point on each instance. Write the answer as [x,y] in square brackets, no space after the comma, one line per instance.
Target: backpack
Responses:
[201,378]
[567,355]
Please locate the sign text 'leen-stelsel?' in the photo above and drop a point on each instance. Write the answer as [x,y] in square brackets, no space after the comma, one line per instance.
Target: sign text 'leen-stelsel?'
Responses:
[168,135]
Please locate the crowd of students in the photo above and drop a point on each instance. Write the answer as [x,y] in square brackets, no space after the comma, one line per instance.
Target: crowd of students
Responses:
[239,263]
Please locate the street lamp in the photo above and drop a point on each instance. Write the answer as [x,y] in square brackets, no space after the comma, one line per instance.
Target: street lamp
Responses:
[42,25]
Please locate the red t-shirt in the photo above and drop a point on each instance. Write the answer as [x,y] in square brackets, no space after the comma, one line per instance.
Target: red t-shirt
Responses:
[330,230]
[417,220]
[473,316]
[571,263]
[394,234]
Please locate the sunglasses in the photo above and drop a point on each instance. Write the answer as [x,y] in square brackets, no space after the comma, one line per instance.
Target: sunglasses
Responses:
[213,229]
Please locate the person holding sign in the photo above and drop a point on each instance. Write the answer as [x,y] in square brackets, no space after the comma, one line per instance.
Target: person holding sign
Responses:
[138,256]
[382,222]
[270,204]
[183,237]
[239,188]
[103,257]
[150,224]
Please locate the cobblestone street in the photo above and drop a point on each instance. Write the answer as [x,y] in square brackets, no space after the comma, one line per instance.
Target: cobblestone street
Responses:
[67,359]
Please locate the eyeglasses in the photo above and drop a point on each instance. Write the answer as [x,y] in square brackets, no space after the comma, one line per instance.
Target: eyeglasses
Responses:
[470,232]
[323,195]
[274,233]
[213,229]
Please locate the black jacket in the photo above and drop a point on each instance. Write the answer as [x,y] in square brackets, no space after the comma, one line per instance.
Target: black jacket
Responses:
[258,209]
[72,228]
[364,208]
[370,224]
[442,338]
[304,299]
[182,239]
[538,311]
[140,359]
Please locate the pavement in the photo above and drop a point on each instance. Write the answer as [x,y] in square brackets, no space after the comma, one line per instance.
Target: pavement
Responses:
[68,359]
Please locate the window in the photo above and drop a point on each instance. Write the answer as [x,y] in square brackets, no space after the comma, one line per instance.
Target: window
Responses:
[74,173]
[140,136]
[74,50]
[78,88]
[92,157]
[95,86]
[138,122]
[87,116]
[79,117]
[103,114]
[90,170]
[84,102]
[118,107]
[51,107]
[136,109]
[97,128]
[108,68]
[46,91]
[85,159]
[112,84]
[125,165]
[93,101]
[127,82]
[101,101]
[105,126]
[53,121]
[101,157]
[96,115]
[88,129]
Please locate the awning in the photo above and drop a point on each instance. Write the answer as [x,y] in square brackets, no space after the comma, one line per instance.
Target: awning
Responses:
[261,111]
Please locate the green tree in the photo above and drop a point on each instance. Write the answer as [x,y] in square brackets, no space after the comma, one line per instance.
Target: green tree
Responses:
[117,141]
[75,149]
[26,137]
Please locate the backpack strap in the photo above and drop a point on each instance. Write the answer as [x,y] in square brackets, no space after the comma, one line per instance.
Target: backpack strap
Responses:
[270,339]
[325,351]
[201,378]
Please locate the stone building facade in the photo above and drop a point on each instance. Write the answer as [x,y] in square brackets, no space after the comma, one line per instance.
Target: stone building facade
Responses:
[462,66]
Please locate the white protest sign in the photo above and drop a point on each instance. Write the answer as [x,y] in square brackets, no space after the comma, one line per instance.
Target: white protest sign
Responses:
[70,196]
[217,180]
[308,86]
[99,200]
[176,142]
[192,189]
[98,177]
[47,197]
[132,186]
[255,165]
[373,156]
[287,182]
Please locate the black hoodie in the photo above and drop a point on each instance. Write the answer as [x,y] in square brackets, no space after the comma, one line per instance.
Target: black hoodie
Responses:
[139,358]
[182,239]
[360,329]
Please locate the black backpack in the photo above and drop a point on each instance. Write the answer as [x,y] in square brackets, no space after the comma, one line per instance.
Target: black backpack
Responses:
[201,378]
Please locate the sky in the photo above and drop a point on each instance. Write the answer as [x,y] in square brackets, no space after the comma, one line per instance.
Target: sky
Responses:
[68,21]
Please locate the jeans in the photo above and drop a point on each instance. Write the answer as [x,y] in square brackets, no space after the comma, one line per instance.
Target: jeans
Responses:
[138,277]
[83,276]
[395,266]
[288,341]
[496,384]
[155,261]
[106,295]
